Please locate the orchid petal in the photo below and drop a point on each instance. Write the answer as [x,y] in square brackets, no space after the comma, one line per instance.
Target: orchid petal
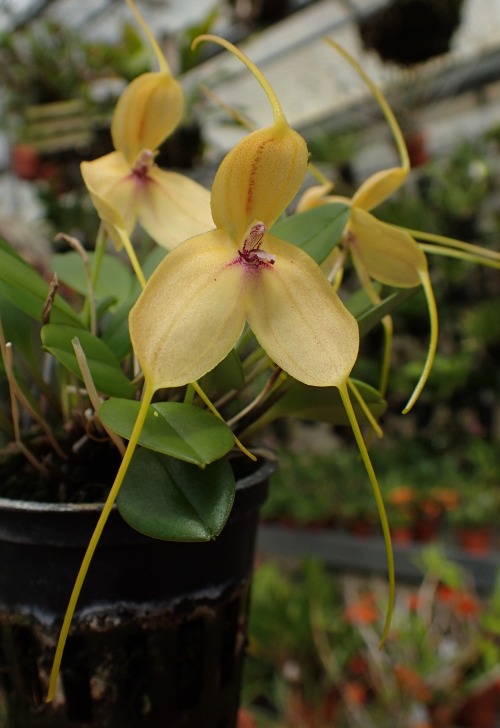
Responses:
[110,216]
[173,207]
[314,197]
[387,254]
[147,112]
[379,187]
[299,320]
[258,178]
[191,313]
[110,178]
[115,228]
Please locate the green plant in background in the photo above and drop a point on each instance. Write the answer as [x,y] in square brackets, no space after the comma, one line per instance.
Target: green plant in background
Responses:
[296,618]
[45,62]
[460,183]
[443,647]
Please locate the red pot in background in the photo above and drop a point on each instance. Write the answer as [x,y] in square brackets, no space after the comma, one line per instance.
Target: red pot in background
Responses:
[481,710]
[475,541]
[25,162]
[418,150]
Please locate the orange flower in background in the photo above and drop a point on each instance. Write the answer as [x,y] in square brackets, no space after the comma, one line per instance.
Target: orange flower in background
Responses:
[402,496]
[448,498]
[462,603]
[414,602]
[363,611]
[411,683]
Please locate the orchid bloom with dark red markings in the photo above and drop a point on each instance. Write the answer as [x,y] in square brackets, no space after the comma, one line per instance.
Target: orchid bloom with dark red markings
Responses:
[195,305]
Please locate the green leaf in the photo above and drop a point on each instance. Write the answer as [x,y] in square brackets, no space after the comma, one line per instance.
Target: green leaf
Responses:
[228,374]
[320,404]
[168,499]
[20,331]
[104,366]
[316,231]
[181,430]
[368,320]
[115,331]
[153,260]
[114,279]
[27,290]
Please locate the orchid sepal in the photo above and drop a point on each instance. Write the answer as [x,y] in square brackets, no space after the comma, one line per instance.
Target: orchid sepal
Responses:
[147,112]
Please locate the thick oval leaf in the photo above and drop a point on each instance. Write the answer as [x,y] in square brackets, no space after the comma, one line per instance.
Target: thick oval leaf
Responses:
[168,499]
[26,289]
[104,366]
[114,280]
[316,231]
[181,430]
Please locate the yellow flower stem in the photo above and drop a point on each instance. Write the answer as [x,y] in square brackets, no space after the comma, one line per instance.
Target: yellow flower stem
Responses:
[268,386]
[246,123]
[94,540]
[318,174]
[453,243]
[255,357]
[388,327]
[189,394]
[386,322]
[344,394]
[366,410]
[279,116]
[89,305]
[129,249]
[381,100]
[459,254]
[156,48]
[201,394]
[431,352]
[100,247]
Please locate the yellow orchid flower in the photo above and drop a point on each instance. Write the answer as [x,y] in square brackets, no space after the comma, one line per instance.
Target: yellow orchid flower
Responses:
[168,205]
[194,307]
[380,251]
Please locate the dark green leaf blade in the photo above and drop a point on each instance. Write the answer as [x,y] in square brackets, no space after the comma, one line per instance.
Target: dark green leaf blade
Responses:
[321,404]
[316,231]
[104,366]
[183,431]
[28,290]
[228,374]
[369,319]
[114,280]
[172,500]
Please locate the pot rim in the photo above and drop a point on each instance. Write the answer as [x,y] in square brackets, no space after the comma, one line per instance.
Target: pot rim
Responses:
[266,468]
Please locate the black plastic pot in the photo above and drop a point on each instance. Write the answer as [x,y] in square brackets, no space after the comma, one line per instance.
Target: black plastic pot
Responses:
[159,634]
